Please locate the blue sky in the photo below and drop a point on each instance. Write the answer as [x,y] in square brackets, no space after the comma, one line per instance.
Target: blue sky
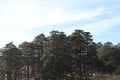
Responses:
[22,20]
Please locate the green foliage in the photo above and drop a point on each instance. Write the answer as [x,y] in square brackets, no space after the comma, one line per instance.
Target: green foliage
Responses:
[12,60]
[60,57]
[55,56]
[109,54]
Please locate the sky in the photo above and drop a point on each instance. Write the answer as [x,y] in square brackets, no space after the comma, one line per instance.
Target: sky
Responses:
[23,20]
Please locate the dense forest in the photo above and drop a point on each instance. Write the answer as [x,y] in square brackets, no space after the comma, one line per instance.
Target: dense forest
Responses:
[59,57]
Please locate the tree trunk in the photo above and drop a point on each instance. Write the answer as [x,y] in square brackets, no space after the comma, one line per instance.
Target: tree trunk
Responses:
[9,76]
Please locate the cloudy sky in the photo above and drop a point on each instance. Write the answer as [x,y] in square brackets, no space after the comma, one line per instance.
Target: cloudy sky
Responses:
[22,20]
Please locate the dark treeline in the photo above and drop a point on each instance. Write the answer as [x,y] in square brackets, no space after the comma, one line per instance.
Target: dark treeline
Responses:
[59,57]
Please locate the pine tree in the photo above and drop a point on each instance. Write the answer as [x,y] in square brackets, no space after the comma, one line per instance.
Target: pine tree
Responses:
[12,58]
[55,57]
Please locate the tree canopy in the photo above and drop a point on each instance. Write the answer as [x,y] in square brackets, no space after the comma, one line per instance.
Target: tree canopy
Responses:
[59,57]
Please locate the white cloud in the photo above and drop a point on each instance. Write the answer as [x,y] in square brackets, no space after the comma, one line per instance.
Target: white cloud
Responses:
[97,28]
[58,15]
[89,14]
[17,37]
[17,16]
[100,27]
[30,15]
